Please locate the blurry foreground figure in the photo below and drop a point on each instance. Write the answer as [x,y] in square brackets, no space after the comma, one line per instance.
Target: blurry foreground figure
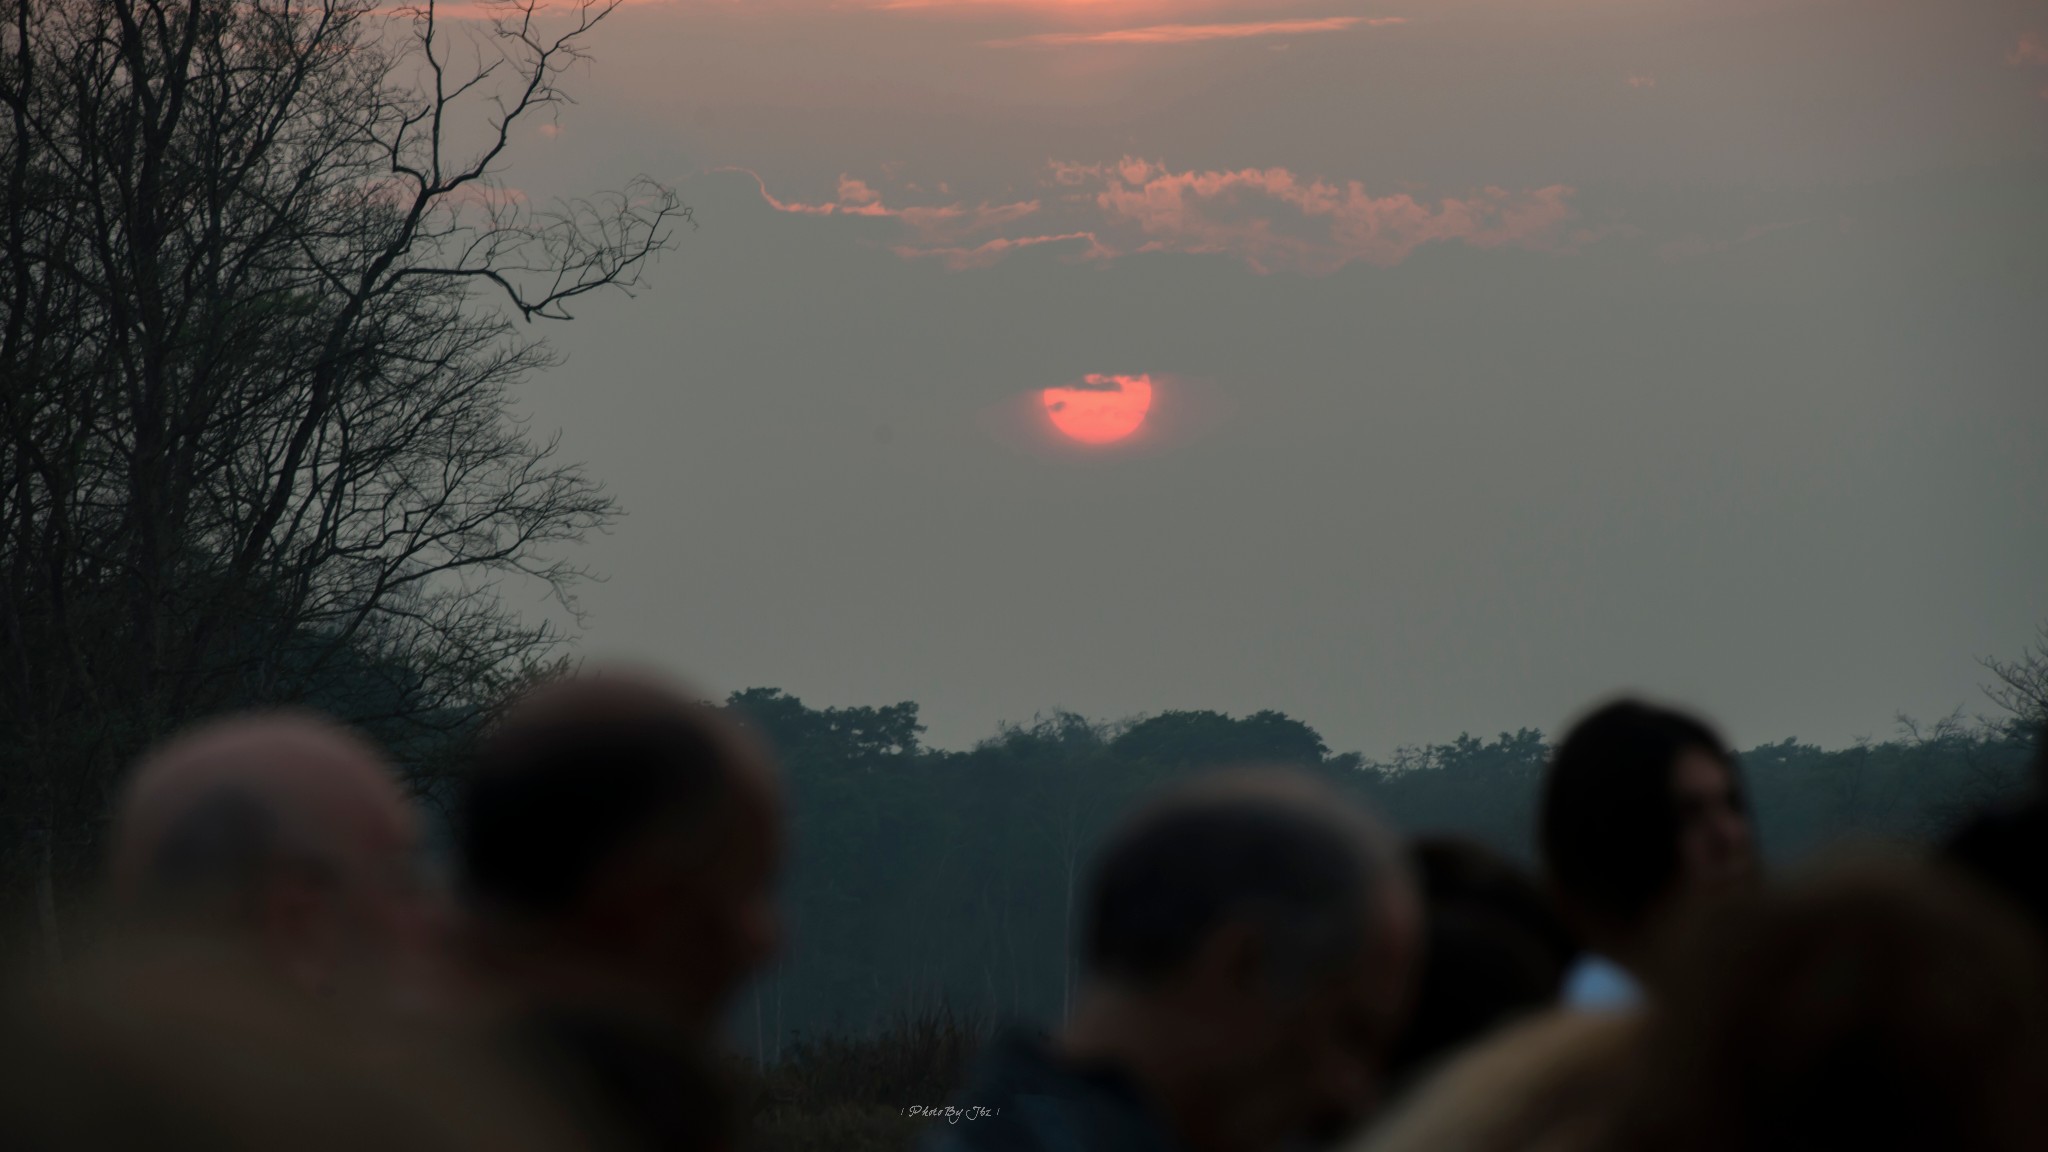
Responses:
[268,921]
[283,835]
[1642,814]
[1546,1084]
[1494,951]
[1876,1007]
[1882,1006]
[2006,849]
[1248,962]
[154,1053]
[1642,823]
[620,846]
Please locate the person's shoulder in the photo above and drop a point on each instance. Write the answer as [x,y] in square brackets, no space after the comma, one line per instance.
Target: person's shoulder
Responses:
[1516,1089]
[637,1085]
[1023,1097]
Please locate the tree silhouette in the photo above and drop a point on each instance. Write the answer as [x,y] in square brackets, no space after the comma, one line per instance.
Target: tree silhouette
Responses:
[257,332]
[2022,684]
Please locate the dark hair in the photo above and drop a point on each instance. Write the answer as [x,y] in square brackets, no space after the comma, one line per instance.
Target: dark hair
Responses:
[2006,849]
[1182,869]
[1495,950]
[1886,1006]
[1608,829]
[549,799]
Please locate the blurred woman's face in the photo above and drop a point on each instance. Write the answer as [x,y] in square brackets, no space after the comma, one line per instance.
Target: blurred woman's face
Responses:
[1715,847]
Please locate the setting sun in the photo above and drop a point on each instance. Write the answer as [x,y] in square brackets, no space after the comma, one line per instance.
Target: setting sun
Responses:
[1100,409]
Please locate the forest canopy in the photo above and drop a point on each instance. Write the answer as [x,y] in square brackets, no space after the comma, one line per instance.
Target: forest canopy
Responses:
[921,875]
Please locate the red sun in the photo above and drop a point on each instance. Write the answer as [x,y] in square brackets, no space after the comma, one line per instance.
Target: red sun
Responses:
[1100,409]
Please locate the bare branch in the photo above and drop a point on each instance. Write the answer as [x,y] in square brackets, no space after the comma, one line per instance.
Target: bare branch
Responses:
[256,439]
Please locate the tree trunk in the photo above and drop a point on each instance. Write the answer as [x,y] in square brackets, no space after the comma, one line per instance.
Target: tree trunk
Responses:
[46,906]
[1067,944]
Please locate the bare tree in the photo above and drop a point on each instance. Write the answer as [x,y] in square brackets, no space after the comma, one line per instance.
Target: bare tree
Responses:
[2022,684]
[261,315]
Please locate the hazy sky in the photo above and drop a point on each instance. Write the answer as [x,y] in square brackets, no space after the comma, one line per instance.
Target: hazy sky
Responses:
[1506,353]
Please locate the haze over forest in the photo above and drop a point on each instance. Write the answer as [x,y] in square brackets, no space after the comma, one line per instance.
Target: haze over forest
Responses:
[921,877]
[1048,399]
[1702,357]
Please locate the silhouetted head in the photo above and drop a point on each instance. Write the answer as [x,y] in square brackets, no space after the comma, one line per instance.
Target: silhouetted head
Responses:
[1643,807]
[1249,940]
[632,835]
[282,830]
[1876,1006]
[2006,849]
[1495,950]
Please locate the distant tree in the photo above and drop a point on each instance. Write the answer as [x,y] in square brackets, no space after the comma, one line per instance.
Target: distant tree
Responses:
[851,736]
[1200,739]
[1067,786]
[1480,788]
[2022,684]
[257,337]
[860,826]
[920,875]
[1916,786]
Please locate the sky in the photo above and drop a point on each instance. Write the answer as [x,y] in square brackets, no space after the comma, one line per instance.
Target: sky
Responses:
[1501,355]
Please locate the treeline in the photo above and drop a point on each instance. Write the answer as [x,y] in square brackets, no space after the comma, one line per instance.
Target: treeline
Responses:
[920,876]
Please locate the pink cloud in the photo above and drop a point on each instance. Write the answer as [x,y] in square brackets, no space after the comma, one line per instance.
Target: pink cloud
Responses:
[1271,219]
[2029,51]
[1198,33]
[933,223]
[1642,81]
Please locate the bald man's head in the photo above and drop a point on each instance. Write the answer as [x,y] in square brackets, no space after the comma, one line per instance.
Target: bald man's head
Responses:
[1313,870]
[282,826]
[1250,946]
